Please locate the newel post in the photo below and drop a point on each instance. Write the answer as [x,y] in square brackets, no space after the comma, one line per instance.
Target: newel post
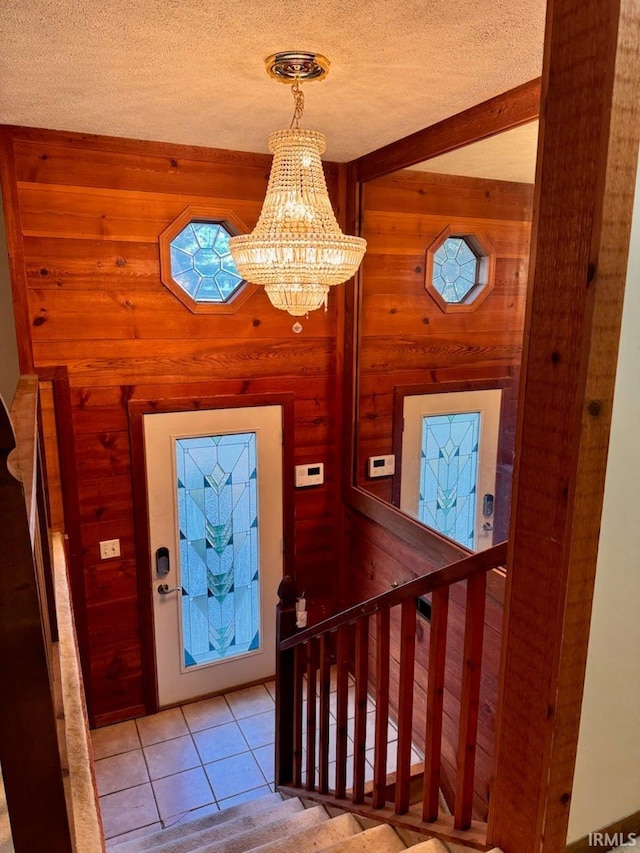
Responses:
[285,628]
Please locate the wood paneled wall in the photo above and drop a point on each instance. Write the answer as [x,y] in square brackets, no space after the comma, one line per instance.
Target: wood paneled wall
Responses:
[405,338]
[87,290]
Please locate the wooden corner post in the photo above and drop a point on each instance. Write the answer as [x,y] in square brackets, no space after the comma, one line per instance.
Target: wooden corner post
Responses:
[285,665]
[587,159]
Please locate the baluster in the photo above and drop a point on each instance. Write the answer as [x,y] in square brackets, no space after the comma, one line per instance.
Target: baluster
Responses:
[360,732]
[342,699]
[470,699]
[405,704]
[383,654]
[325,694]
[435,697]
[300,652]
[285,666]
[311,714]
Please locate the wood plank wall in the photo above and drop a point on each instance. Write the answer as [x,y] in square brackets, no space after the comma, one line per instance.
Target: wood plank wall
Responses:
[405,338]
[89,291]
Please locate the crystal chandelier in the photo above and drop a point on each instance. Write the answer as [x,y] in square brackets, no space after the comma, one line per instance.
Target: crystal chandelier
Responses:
[297,250]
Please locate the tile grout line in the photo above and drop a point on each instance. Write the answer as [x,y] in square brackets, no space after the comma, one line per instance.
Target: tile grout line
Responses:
[180,815]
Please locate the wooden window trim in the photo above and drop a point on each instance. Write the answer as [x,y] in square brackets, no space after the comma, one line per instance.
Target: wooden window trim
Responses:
[220,216]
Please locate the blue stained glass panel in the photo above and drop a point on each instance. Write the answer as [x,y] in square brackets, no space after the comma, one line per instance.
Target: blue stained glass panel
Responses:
[201,262]
[449,475]
[219,561]
[455,269]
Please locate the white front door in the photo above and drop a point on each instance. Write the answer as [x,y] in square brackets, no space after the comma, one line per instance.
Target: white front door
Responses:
[214,489]
[449,459]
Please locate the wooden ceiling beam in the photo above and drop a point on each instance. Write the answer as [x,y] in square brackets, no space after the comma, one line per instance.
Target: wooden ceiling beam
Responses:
[504,112]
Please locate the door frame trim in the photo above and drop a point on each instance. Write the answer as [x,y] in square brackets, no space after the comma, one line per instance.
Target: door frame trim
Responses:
[136,410]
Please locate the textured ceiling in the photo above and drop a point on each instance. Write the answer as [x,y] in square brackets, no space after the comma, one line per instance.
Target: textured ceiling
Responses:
[510,156]
[191,71]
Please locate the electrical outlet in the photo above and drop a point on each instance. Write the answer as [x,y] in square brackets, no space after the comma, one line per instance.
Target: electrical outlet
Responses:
[109,548]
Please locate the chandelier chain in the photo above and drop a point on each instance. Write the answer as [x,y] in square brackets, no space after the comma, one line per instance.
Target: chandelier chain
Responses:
[298,104]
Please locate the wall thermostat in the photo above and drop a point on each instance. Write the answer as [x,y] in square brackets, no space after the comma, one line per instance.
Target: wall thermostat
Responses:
[309,475]
[382,466]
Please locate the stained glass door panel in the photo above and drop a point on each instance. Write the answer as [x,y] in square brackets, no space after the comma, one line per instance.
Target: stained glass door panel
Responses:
[449,461]
[449,475]
[219,558]
[214,492]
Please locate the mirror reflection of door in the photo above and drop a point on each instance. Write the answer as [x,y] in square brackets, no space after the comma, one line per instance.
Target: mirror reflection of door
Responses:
[214,482]
[449,459]
[433,230]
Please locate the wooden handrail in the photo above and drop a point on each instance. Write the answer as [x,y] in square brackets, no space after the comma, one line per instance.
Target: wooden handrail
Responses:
[73,725]
[482,561]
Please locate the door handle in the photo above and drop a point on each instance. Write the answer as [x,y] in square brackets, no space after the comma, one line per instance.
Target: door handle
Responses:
[163,589]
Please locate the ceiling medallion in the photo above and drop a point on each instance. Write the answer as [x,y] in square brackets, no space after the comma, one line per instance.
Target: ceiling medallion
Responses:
[291,65]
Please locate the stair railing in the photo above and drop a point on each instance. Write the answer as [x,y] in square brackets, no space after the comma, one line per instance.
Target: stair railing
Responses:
[303,703]
[45,749]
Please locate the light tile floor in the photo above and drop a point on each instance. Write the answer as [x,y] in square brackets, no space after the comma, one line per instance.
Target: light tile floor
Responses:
[186,762]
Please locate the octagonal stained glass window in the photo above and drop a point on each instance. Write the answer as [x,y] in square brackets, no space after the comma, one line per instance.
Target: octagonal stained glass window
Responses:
[455,269]
[201,263]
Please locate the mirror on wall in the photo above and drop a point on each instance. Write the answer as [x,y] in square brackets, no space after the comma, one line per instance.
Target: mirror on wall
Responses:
[442,301]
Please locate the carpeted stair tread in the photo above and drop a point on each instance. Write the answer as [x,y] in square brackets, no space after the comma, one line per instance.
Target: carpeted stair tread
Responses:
[227,822]
[277,829]
[433,845]
[239,836]
[316,838]
[379,839]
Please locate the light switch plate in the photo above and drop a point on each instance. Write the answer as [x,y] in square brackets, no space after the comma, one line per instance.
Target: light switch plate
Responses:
[109,548]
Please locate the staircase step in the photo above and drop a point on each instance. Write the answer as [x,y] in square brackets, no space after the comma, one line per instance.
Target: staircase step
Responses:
[277,830]
[379,839]
[240,836]
[234,819]
[317,838]
[433,845]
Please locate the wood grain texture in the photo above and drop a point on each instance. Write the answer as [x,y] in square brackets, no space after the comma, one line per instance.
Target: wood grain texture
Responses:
[435,703]
[406,665]
[15,250]
[586,168]
[361,666]
[87,212]
[382,656]
[470,699]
